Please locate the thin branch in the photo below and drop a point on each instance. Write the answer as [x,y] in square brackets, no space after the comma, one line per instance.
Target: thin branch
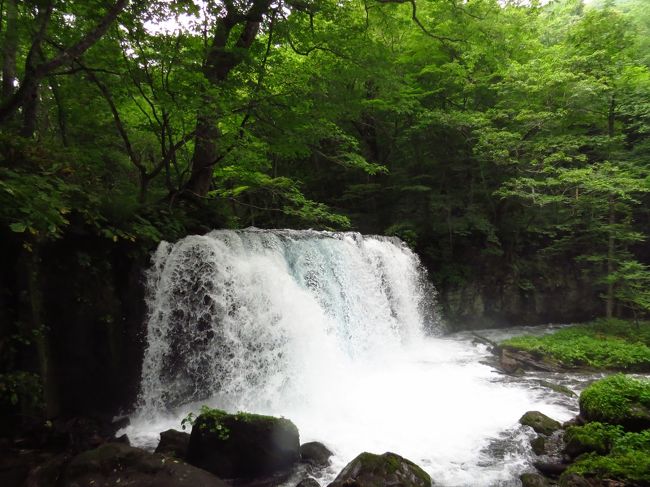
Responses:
[415,18]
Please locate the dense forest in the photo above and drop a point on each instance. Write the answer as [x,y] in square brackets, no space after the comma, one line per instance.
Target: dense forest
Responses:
[506,141]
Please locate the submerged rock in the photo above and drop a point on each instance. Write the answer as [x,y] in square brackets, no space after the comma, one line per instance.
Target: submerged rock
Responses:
[541,423]
[243,445]
[315,454]
[118,464]
[560,389]
[173,443]
[389,469]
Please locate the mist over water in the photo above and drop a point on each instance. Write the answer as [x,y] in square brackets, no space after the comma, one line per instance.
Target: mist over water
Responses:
[337,332]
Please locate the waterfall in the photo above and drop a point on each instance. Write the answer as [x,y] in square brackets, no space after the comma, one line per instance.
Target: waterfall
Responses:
[338,332]
[251,316]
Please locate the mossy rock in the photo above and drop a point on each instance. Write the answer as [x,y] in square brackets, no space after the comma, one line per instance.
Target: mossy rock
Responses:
[618,399]
[533,480]
[242,445]
[541,423]
[593,437]
[626,463]
[370,470]
[538,445]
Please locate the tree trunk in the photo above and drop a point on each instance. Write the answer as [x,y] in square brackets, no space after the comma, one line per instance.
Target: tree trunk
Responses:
[609,306]
[220,61]
[9,50]
[33,77]
[34,329]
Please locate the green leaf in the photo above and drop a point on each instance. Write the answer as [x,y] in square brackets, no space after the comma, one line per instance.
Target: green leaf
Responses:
[18,227]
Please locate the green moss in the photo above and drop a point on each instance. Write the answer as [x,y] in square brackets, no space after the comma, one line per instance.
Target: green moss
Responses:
[540,422]
[606,344]
[629,460]
[219,421]
[617,399]
[592,437]
[391,464]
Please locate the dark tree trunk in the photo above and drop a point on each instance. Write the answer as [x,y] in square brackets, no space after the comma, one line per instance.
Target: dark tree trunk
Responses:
[220,61]
[9,50]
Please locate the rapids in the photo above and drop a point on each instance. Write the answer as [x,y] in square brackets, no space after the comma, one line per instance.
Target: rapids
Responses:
[339,333]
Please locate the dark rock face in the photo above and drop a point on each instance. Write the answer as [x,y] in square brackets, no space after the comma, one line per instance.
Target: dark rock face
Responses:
[173,443]
[389,469]
[533,480]
[541,423]
[115,464]
[493,295]
[315,453]
[243,445]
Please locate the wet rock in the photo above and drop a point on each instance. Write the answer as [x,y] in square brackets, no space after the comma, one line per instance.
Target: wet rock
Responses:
[539,445]
[550,469]
[509,364]
[309,482]
[512,360]
[541,423]
[577,421]
[316,454]
[48,473]
[533,480]
[173,443]
[122,439]
[115,464]
[243,445]
[369,470]
[575,480]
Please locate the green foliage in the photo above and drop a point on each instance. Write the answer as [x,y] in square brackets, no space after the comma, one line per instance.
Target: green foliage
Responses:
[628,461]
[613,399]
[606,344]
[211,421]
[21,387]
[594,437]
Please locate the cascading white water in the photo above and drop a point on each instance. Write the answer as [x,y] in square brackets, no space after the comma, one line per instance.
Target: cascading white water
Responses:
[334,331]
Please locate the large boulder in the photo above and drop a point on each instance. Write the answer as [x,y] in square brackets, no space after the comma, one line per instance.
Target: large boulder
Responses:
[173,443]
[242,445]
[316,454]
[118,464]
[618,399]
[541,423]
[387,470]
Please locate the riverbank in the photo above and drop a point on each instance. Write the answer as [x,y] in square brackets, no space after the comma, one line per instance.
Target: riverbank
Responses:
[602,345]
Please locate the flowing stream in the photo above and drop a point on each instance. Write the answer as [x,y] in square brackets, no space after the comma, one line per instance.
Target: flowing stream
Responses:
[339,333]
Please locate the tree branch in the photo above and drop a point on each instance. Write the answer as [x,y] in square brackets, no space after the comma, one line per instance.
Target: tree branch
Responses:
[33,77]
